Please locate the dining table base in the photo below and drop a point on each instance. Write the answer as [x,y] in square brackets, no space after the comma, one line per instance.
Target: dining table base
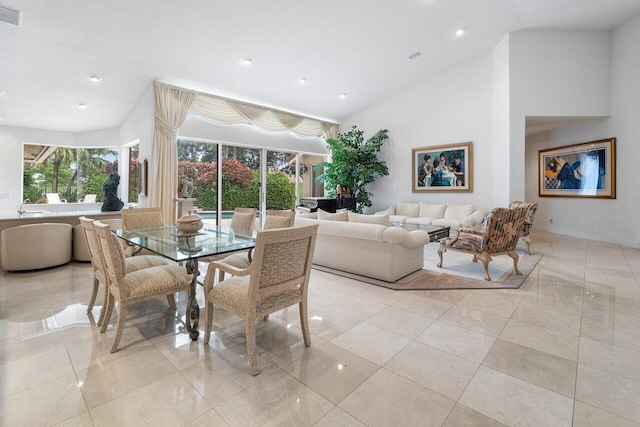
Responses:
[193,309]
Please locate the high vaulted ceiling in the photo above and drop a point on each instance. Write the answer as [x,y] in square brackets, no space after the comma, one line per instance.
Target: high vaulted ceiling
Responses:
[357,47]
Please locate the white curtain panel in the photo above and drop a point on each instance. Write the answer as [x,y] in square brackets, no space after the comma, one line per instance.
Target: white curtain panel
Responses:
[223,110]
[172,105]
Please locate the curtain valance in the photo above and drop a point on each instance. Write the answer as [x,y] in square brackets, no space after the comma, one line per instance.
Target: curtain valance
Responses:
[224,110]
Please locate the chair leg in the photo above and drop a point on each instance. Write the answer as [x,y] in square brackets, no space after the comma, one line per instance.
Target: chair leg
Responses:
[105,303]
[475,258]
[527,241]
[96,286]
[304,322]
[250,327]
[486,259]
[441,250]
[266,317]
[122,318]
[172,301]
[208,320]
[107,315]
[515,258]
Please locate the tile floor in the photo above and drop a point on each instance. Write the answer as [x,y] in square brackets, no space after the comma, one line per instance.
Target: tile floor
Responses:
[562,350]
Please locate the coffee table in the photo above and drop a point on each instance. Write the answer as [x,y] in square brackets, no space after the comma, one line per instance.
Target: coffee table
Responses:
[436,232]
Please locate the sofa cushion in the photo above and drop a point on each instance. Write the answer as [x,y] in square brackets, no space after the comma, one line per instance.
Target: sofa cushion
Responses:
[458,211]
[312,215]
[429,210]
[408,209]
[328,216]
[369,219]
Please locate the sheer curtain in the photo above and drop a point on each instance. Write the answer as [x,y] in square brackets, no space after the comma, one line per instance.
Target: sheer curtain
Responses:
[225,110]
[172,105]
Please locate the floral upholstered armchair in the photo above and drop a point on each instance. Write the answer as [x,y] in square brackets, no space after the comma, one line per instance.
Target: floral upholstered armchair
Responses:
[529,213]
[498,235]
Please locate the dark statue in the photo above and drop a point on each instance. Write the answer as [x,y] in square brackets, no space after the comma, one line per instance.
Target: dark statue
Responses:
[110,189]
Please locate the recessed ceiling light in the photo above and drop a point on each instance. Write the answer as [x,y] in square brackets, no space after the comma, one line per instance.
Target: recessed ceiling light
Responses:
[302,80]
[83,105]
[247,61]
[460,32]
[95,78]
[343,95]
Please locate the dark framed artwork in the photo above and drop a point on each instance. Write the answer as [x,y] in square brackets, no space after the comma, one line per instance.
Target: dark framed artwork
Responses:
[442,168]
[581,170]
[144,171]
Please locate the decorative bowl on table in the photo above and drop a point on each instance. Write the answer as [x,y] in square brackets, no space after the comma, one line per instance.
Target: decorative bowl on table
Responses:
[189,224]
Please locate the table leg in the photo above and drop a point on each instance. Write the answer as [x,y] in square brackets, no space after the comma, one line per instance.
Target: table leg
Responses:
[193,309]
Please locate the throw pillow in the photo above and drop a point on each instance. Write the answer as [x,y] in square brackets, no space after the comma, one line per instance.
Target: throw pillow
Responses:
[408,209]
[370,219]
[458,211]
[327,216]
[427,210]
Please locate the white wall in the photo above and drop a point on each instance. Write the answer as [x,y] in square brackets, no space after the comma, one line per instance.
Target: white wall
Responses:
[554,73]
[11,142]
[452,107]
[138,126]
[606,220]
[501,122]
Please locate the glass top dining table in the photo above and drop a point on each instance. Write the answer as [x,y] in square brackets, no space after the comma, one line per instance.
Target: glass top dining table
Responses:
[170,243]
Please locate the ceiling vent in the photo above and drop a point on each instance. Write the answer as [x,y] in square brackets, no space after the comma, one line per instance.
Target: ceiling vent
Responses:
[414,55]
[11,16]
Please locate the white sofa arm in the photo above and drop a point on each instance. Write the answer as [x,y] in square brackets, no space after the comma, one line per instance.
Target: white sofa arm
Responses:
[408,239]
[474,219]
[391,210]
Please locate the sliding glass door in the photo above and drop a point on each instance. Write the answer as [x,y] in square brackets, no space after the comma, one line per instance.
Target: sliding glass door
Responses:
[249,178]
[240,180]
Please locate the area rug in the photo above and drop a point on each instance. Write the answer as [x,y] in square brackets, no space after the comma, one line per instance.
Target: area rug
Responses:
[458,272]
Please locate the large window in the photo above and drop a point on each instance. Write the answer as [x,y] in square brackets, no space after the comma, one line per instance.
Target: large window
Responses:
[134,173]
[242,172]
[71,172]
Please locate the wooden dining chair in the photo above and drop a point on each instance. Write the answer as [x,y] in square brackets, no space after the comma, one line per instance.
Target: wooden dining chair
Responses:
[277,278]
[138,218]
[129,287]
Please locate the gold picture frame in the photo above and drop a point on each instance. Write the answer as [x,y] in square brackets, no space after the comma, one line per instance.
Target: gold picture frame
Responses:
[430,176]
[586,170]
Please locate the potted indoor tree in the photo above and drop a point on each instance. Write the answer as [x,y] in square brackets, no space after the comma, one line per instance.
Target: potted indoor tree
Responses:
[354,164]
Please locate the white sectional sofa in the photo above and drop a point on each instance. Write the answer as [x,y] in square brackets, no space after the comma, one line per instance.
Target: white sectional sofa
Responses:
[453,216]
[367,249]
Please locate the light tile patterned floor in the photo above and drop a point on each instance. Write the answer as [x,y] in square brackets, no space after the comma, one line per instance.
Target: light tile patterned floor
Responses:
[564,349]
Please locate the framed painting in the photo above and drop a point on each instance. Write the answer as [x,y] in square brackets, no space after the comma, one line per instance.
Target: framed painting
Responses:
[580,170]
[442,168]
[144,175]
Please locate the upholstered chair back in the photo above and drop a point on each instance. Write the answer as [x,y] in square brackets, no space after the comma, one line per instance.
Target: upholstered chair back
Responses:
[95,252]
[279,219]
[530,213]
[244,219]
[141,218]
[502,230]
[114,259]
[282,260]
